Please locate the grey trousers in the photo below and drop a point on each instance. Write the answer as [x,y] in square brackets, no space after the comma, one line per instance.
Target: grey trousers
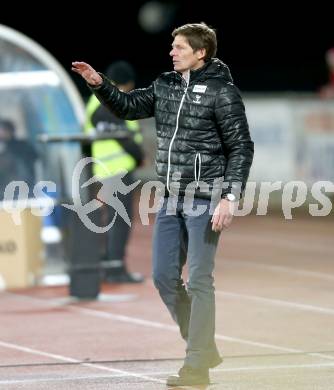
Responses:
[179,237]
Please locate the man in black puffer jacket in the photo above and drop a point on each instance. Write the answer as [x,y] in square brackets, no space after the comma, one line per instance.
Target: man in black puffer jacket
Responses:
[204,150]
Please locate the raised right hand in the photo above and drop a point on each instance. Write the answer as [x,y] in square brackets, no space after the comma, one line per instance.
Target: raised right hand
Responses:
[87,72]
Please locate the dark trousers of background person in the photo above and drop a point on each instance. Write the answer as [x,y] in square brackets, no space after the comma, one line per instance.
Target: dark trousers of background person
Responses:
[115,240]
[178,238]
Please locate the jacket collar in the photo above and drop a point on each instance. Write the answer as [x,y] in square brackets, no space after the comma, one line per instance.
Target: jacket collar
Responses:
[211,69]
[214,68]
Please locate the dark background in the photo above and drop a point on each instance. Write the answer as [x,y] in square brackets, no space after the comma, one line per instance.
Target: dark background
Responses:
[268,48]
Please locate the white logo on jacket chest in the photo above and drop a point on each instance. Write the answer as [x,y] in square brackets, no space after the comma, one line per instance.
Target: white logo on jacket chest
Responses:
[199,88]
[197,99]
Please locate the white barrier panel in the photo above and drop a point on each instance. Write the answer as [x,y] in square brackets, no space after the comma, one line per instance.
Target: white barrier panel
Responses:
[315,148]
[271,126]
[293,138]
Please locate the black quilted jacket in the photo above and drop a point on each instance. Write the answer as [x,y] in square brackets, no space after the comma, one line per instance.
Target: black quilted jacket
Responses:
[202,130]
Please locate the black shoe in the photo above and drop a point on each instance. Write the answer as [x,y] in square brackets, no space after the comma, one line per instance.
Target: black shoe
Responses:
[189,376]
[124,277]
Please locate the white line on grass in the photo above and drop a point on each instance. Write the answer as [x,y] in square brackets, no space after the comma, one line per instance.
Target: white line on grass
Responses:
[160,325]
[166,373]
[72,360]
[276,302]
[277,268]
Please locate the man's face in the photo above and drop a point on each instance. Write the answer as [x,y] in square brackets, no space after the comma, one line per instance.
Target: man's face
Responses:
[184,57]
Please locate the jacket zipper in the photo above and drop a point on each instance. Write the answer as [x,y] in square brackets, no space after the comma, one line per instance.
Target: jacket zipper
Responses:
[198,176]
[176,129]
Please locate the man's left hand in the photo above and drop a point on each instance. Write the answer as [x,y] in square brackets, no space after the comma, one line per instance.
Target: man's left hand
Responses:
[223,215]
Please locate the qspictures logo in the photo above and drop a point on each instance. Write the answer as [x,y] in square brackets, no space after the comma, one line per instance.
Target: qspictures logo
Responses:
[106,195]
[294,194]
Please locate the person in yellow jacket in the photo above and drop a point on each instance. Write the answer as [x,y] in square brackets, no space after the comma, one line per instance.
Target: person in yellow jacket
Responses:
[117,156]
